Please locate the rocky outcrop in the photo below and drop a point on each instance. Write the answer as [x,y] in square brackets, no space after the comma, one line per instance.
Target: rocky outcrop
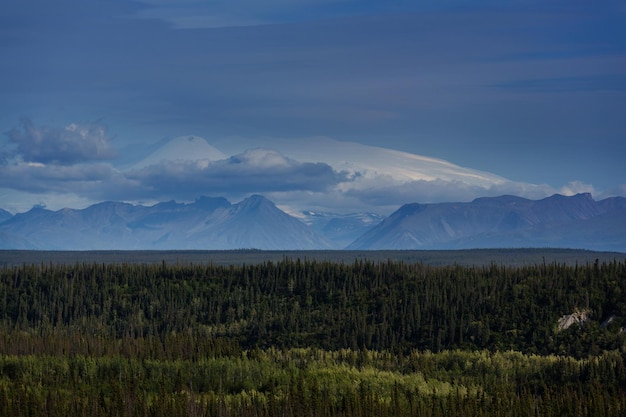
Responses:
[579,317]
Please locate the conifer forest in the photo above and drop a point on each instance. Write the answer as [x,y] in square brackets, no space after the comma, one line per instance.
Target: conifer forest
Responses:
[313,338]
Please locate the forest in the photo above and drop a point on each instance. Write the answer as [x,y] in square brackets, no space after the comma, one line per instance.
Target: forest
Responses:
[300,337]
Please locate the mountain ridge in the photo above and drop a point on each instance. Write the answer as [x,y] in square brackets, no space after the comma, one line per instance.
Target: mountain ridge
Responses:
[505,221]
[207,223]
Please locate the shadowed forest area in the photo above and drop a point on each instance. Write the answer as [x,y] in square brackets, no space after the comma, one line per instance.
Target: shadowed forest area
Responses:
[312,338]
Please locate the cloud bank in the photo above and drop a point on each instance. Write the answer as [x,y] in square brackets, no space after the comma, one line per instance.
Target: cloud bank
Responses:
[68,165]
[253,171]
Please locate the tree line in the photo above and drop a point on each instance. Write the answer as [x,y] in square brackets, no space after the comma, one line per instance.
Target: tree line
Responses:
[378,306]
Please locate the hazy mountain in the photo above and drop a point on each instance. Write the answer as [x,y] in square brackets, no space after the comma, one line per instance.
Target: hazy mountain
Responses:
[182,148]
[215,223]
[341,229]
[507,221]
[208,223]
[257,223]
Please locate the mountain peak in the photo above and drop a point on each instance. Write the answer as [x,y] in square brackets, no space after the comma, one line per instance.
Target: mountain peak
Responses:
[182,148]
[256,198]
[255,201]
[409,209]
[253,223]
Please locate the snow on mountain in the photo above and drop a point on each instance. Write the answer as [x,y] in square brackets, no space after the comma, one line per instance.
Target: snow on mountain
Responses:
[365,178]
[372,161]
[367,161]
[182,148]
[341,229]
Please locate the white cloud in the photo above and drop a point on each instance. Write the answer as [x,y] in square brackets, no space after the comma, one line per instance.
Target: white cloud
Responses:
[577,187]
[263,158]
[618,191]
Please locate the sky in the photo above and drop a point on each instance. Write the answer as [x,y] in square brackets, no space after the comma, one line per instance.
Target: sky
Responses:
[532,93]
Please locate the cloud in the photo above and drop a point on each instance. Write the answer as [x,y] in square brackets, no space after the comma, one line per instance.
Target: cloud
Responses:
[617,191]
[36,177]
[385,192]
[577,187]
[67,160]
[383,195]
[69,145]
[375,181]
[192,14]
[291,184]
[253,171]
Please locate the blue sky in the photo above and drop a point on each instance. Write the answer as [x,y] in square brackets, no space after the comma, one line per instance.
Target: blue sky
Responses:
[532,91]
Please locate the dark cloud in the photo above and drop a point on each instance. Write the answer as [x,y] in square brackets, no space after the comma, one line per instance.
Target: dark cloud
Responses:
[254,171]
[69,145]
[36,177]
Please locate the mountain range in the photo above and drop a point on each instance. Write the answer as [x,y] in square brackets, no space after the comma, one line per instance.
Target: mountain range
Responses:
[507,221]
[207,223]
[256,222]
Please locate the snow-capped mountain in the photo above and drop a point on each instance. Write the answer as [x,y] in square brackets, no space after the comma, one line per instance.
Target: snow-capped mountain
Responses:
[182,148]
[507,221]
[352,157]
[346,176]
[348,172]
[372,161]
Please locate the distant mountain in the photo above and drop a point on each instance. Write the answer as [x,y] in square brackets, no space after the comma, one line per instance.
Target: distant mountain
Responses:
[341,229]
[558,221]
[208,223]
[182,148]
[215,223]
[257,223]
